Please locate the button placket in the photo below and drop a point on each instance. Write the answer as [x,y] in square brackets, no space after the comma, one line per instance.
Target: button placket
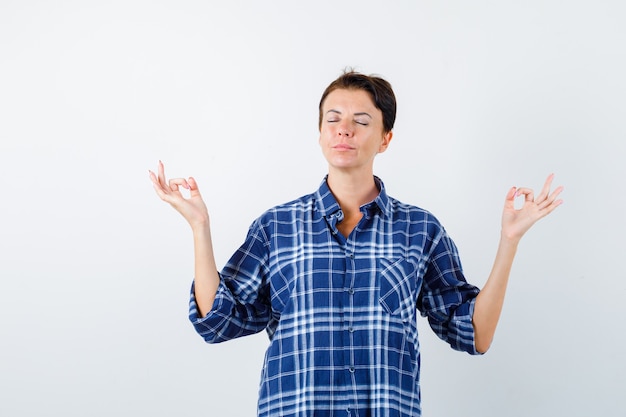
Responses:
[349,297]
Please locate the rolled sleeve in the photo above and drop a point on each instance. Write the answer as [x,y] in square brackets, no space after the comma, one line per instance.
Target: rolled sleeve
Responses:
[241,306]
[447,299]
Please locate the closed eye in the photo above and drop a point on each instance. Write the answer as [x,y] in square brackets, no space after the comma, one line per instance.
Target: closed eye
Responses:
[362,118]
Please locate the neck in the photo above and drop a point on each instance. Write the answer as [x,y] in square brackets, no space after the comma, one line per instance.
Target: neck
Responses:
[352,190]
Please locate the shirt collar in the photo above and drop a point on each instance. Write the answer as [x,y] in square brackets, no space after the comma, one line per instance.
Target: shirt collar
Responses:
[328,206]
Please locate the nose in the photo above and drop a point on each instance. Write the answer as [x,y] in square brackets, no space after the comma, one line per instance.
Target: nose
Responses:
[345,130]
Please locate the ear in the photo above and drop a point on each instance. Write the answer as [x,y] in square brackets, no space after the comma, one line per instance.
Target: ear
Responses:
[385,142]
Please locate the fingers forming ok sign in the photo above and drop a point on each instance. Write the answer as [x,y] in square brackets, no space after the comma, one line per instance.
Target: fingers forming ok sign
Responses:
[193,209]
[516,222]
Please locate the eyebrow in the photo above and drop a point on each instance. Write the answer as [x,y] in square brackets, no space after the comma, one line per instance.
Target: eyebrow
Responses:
[356,114]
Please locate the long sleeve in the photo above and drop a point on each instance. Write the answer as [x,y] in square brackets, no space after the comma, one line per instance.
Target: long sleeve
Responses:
[241,305]
[447,299]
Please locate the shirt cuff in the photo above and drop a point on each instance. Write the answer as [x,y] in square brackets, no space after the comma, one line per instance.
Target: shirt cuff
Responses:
[472,334]
[194,312]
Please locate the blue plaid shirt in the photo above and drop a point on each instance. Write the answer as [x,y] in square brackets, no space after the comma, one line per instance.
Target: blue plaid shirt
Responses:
[341,313]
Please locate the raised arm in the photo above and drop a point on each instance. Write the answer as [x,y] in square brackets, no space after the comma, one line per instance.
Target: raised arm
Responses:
[514,224]
[195,212]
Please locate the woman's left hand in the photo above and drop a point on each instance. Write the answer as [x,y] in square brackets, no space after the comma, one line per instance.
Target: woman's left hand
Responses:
[516,222]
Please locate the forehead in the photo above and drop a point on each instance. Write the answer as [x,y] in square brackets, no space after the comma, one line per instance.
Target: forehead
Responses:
[352,100]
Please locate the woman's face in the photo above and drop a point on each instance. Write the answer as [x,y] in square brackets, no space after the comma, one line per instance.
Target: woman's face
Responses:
[351,132]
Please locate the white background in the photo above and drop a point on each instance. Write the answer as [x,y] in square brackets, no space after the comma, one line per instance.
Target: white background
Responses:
[95,270]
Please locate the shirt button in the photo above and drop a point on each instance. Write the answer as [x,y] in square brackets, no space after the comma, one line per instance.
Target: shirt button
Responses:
[352,369]
[351,329]
[350,291]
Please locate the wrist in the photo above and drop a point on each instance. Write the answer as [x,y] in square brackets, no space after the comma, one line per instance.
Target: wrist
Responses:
[508,239]
[201,227]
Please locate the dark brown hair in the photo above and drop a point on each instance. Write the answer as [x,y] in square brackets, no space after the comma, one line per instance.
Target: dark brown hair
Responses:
[379,90]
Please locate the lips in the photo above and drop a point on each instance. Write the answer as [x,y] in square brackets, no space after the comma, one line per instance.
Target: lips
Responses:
[342,147]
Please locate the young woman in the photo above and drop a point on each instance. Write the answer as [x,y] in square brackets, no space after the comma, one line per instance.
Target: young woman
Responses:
[337,277]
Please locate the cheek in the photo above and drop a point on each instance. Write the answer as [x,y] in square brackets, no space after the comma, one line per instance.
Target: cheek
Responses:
[325,135]
[323,143]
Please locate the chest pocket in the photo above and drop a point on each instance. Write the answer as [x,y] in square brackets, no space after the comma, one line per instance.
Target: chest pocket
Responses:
[398,288]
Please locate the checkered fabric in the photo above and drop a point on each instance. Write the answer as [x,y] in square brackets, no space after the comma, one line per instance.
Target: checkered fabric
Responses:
[341,313]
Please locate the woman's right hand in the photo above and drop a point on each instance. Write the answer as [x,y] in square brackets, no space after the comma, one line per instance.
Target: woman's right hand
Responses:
[193,208]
